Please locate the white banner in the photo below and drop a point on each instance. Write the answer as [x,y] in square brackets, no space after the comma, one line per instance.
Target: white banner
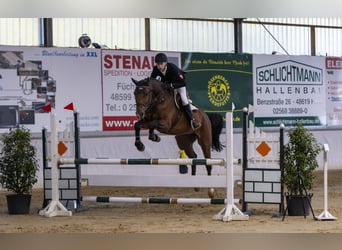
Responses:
[288,89]
[118,69]
[334,90]
[32,77]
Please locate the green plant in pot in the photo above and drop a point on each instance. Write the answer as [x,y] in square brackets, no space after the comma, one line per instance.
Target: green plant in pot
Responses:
[300,161]
[18,168]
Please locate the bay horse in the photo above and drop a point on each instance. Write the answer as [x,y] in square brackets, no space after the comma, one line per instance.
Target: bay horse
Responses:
[156,108]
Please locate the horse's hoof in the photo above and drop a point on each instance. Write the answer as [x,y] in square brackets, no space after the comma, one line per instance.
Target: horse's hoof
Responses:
[140,146]
[154,138]
[211,193]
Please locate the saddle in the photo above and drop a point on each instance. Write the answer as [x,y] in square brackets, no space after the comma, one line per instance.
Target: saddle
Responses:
[178,102]
[177,98]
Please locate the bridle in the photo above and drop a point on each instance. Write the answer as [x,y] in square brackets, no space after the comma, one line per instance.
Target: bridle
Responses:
[150,104]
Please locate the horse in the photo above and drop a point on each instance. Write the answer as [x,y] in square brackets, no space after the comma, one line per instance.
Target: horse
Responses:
[158,108]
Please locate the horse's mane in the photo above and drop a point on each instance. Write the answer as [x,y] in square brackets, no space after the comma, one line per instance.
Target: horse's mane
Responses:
[156,87]
[155,84]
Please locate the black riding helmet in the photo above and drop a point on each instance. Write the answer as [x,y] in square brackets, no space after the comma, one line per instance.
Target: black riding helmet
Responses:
[160,57]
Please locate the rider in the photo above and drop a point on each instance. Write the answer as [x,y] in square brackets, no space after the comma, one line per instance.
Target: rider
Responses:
[170,74]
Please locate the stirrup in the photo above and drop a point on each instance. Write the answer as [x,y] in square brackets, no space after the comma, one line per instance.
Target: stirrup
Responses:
[195,124]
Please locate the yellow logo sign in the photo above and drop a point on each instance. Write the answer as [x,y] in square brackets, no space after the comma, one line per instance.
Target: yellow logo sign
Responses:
[218,90]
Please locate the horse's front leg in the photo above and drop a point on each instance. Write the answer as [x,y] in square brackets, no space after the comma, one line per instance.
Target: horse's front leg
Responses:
[151,135]
[139,145]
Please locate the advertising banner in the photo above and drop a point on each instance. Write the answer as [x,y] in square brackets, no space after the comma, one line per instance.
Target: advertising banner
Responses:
[282,89]
[33,77]
[334,90]
[217,81]
[118,69]
[288,90]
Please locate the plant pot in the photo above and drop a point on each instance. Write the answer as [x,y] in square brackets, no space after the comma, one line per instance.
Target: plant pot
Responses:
[18,203]
[295,204]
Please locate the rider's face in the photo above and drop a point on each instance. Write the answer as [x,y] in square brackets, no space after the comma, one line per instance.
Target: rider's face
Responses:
[161,66]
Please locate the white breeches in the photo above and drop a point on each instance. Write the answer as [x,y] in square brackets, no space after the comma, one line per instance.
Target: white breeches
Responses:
[183,95]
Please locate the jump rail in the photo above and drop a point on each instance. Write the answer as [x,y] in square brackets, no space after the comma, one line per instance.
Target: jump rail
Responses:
[157,200]
[155,161]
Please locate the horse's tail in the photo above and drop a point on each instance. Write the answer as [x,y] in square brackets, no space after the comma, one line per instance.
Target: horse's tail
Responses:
[216,129]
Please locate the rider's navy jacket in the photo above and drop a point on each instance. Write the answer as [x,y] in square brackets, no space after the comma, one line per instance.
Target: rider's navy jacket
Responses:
[174,75]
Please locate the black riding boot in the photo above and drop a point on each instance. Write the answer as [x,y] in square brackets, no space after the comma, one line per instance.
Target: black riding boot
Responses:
[193,123]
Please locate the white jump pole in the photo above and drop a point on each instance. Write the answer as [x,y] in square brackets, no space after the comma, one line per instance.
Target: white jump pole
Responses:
[231,211]
[55,207]
[325,215]
[156,200]
[151,161]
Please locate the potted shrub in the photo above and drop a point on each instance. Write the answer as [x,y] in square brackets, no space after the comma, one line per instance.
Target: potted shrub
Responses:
[300,161]
[18,169]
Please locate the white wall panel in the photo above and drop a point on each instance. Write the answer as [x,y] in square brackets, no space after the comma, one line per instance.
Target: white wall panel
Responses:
[192,35]
[328,42]
[121,33]
[19,31]
[264,39]
[182,35]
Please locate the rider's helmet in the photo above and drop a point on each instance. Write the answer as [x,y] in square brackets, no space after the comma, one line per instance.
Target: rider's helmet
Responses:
[160,57]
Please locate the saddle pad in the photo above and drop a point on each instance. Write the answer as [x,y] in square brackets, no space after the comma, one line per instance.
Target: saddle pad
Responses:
[192,107]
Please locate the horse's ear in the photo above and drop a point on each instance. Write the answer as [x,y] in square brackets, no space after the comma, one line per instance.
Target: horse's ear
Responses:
[141,83]
[135,81]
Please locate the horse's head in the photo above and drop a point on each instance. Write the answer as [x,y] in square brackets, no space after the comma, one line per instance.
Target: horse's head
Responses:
[148,93]
[143,97]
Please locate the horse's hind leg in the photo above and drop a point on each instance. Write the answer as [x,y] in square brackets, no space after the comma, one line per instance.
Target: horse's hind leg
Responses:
[206,149]
[205,146]
[185,143]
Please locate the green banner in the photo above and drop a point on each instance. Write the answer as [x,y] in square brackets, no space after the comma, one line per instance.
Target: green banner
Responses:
[216,81]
